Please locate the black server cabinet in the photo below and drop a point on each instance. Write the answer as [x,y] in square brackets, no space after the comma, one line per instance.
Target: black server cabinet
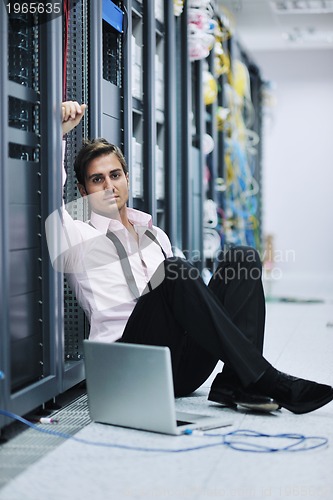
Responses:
[93,75]
[75,87]
[31,294]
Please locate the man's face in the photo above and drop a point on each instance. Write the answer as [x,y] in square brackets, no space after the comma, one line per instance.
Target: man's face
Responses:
[106,185]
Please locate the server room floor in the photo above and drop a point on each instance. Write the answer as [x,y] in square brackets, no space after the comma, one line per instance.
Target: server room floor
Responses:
[299,340]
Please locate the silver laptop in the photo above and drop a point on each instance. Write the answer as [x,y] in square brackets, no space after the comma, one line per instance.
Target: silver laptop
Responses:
[131,385]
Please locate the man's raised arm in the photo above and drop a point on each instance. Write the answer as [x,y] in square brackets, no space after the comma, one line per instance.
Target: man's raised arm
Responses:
[61,232]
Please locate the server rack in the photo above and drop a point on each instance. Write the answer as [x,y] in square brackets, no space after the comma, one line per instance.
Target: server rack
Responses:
[256,96]
[213,166]
[171,85]
[75,86]
[150,112]
[93,76]
[112,62]
[144,111]
[184,107]
[31,314]
[211,159]
[197,165]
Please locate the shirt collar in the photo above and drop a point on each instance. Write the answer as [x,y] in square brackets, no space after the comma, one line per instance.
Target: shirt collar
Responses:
[137,218]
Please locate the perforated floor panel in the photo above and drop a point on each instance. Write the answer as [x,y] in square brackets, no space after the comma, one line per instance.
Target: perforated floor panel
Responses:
[28,446]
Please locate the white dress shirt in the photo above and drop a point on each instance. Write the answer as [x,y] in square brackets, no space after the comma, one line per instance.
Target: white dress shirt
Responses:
[93,269]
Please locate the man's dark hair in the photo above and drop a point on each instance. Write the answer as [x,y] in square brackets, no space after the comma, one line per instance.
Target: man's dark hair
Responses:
[92,149]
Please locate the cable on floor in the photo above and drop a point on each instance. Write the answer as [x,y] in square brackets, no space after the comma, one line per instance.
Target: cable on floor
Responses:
[231,440]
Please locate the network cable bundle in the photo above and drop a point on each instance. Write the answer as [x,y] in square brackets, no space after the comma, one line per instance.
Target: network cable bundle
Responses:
[235,120]
[178,6]
[242,188]
[201,28]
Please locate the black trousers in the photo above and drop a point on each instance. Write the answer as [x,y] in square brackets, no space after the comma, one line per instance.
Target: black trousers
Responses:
[200,324]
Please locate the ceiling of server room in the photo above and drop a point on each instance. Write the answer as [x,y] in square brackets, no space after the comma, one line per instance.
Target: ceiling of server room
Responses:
[281,24]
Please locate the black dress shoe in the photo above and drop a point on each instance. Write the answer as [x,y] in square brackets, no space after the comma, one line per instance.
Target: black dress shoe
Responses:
[232,395]
[298,395]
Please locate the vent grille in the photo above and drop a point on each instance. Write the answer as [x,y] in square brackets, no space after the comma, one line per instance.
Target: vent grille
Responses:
[29,446]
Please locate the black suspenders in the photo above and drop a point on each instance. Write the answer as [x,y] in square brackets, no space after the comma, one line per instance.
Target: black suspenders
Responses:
[155,240]
[124,260]
[125,264]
